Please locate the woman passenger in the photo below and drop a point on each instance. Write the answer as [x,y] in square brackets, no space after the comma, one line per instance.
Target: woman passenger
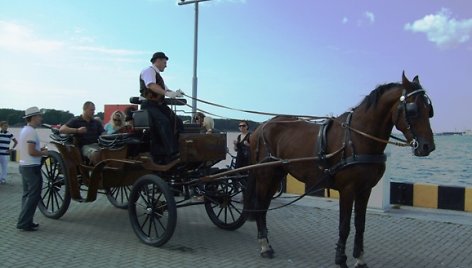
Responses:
[117,121]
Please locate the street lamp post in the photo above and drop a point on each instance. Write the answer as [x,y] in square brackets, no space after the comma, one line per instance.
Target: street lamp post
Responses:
[195,52]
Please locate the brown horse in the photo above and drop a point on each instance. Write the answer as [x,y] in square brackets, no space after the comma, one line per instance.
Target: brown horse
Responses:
[344,153]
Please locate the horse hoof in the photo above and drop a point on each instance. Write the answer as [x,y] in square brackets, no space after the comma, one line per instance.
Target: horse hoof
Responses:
[361,266]
[268,254]
[357,252]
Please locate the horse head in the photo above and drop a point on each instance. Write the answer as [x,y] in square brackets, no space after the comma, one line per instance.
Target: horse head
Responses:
[411,116]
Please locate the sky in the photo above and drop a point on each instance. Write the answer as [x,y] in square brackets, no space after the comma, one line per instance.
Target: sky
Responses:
[310,57]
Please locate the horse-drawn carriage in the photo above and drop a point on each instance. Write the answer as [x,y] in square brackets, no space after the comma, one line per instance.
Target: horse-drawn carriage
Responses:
[345,153]
[129,177]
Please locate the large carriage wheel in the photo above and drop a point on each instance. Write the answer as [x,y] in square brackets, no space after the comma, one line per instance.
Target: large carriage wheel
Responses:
[119,196]
[152,210]
[55,196]
[224,203]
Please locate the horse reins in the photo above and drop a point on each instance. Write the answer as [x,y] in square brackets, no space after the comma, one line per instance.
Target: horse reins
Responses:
[249,111]
[401,142]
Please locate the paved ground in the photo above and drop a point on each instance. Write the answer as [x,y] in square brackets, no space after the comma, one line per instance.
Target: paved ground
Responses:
[303,235]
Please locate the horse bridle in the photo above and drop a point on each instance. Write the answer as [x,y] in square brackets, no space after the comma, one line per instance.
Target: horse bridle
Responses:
[410,111]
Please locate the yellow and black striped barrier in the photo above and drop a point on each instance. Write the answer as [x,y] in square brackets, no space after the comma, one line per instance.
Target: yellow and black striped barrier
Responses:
[409,194]
[431,196]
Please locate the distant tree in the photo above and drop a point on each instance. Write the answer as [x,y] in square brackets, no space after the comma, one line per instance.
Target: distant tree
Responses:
[54,117]
[50,116]
[13,117]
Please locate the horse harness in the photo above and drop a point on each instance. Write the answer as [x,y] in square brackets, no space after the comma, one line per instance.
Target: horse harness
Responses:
[322,156]
[410,111]
[329,171]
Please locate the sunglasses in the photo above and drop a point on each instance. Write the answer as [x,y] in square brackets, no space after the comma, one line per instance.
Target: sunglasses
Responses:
[242,125]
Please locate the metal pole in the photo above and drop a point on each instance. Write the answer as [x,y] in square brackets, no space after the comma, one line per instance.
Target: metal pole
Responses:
[195,79]
[195,52]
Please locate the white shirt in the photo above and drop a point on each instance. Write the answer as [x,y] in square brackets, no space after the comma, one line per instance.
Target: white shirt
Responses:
[149,76]
[29,135]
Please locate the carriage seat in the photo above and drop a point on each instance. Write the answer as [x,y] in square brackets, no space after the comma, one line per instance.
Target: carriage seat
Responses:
[141,120]
[192,128]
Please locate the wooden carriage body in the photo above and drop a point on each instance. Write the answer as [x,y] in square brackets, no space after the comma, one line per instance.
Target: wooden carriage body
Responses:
[124,169]
[117,167]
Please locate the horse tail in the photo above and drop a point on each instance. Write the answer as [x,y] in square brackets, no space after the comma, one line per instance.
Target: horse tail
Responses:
[249,197]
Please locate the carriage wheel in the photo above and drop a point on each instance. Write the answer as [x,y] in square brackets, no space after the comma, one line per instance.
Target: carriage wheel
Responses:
[119,196]
[152,210]
[55,196]
[224,203]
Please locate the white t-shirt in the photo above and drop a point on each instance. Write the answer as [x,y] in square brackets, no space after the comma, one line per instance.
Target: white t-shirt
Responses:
[29,135]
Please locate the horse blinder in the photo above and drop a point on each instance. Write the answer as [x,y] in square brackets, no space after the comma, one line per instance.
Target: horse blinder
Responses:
[411,108]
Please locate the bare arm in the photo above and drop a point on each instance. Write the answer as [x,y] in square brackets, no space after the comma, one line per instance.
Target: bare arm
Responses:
[69,130]
[33,152]
[156,89]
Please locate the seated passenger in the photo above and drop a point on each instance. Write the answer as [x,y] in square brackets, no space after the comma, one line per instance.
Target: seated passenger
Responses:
[86,130]
[205,122]
[117,121]
[129,124]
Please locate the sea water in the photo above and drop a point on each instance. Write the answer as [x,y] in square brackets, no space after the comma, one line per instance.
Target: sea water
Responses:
[450,164]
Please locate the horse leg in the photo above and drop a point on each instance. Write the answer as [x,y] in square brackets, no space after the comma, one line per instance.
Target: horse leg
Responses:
[255,204]
[346,200]
[266,187]
[262,233]
[261,186]
[360,209]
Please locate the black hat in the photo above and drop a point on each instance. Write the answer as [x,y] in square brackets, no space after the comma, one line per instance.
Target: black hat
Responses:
[158,55]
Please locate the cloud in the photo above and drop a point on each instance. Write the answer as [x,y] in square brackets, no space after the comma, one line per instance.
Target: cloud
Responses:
[233,1]
[361,21]
[370,16]
[109,51]
[443,30]
[18,38]
[65,70]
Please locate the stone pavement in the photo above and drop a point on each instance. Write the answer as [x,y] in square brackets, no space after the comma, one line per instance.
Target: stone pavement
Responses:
[303,235]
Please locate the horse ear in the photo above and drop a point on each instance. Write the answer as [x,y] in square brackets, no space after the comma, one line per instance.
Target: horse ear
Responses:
[405,80]
[416,80]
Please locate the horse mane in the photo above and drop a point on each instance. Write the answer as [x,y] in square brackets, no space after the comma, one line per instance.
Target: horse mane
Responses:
[375,95]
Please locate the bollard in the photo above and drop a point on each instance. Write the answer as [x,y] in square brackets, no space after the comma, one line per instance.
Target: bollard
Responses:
[13,155]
